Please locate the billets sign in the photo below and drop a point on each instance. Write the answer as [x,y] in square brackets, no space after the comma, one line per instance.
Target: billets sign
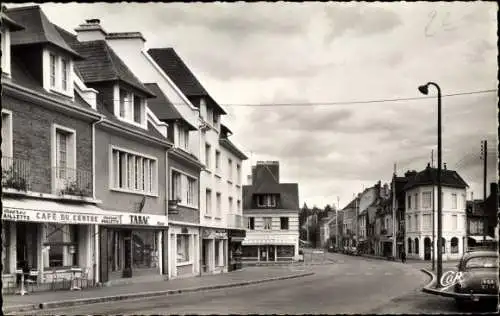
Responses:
[27,215]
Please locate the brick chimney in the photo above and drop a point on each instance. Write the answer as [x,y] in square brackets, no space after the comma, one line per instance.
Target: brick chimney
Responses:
[91,30]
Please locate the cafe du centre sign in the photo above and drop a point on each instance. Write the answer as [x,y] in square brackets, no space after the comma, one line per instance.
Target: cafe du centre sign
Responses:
[107,218]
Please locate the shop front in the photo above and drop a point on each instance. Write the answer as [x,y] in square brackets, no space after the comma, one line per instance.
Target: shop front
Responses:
[51,241]
[269,250]
[214,250]
[235,238]
[133,248]
[184,251]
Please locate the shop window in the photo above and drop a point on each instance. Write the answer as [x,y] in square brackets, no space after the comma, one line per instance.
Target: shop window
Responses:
[5,247]
[61,245]
[182,248]
[250,251]
[454,245]
[145,249]
[285,251]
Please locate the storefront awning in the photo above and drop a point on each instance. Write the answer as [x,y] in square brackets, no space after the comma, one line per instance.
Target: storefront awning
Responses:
[478,238]
[258,242]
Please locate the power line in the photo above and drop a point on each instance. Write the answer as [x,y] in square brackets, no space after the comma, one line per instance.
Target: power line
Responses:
[327,102]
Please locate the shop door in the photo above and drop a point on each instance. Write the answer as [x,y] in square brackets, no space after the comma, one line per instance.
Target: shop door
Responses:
[271,253]
[103,255]
[127,262]
[26,245]
[164,252]
[263,253]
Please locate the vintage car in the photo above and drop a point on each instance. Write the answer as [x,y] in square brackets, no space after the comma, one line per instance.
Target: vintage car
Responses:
[478,277]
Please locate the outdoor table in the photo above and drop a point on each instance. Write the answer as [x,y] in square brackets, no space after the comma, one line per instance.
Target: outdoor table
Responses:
[73,280]
[22,291]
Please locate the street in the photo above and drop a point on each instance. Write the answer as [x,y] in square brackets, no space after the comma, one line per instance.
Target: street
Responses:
[347,285]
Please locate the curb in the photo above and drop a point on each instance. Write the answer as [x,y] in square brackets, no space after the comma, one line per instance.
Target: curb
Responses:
[95,300]
[429,288]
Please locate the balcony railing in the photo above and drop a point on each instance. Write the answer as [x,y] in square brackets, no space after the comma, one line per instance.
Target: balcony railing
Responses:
[16,173]
[235,221]
[74,182]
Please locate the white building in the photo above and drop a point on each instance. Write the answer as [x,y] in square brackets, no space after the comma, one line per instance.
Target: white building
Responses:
[420,207]
[271,210]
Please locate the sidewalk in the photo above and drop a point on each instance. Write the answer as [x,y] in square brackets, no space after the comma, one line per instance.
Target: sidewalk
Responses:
[250,275]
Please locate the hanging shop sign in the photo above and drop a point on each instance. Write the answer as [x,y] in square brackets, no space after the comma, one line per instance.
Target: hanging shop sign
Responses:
[29,215]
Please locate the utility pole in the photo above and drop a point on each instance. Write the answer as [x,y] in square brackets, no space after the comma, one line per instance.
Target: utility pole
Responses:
[484,153]
[337,222]
[394,213]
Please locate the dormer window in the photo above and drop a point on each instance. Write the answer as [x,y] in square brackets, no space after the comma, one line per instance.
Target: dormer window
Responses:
[266,200]
[58,73]
[130,107]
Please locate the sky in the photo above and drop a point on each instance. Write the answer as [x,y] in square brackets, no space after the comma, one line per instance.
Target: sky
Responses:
[315,55]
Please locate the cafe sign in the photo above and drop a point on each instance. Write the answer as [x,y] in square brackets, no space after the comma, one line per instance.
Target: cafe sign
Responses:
[27,215]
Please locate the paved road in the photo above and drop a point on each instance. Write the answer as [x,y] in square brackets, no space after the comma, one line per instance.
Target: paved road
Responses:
[350,285]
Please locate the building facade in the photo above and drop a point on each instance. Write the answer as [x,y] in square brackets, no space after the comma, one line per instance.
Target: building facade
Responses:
[271,211]
[350,224]
[419,192]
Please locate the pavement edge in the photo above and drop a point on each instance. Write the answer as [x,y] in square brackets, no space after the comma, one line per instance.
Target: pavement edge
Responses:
[95,300]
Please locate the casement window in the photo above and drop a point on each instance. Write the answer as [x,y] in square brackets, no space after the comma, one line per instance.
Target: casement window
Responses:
[238,174]
[416,201]
[268,221]
[183,188]
[57,73]
[409,202]
[7,149]
[5,50]
[217,160]
[454,201]
[251,223]
[218,202]
[61,244]
[230,203]
[229,169]
[208,201]
[130,107]
[182,248]
[266,200]
[207,155]
[284,223]
[133,172]
[426,200]
[182,137]
[64,159]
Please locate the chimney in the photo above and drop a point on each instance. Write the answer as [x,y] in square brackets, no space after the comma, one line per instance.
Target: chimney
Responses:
[445,166]
[130,40]
[91,30]
[249,180]
[428,165]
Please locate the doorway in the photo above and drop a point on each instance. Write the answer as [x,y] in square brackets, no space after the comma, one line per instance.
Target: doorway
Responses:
[26,245]
[205,258]
[427,248]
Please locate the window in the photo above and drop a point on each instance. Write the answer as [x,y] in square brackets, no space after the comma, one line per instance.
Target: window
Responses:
[482,262]
[53,70]
[175,186]
[191,191]
[427,221]
[64,159]
[210,116]
[6,136]
[416,201]
[123,103]
[416,245]
[409,223]
[134,172]
[426,199]
[61,243]
[454,245]
[219,204]
[266,200]
[230,200]
[251,223]
[409,202]
[443,245]
[284,223]
[454,201]
[409,245]
[182,248]
[61,154]
[238,206]
[268,223]
[217,160]
[238,174]
[229,169]
[145,249]
[217,253]
[207,155]
[454,222]
[208,198]
[137,109]
[417,224]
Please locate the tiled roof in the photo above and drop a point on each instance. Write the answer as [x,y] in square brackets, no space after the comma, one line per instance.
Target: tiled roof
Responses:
[428,176]
[289,194]
[38,29]
[181,75]
[163,108]
[13,25]
[101,64]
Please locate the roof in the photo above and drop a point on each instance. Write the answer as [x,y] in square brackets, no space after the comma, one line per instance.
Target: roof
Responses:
[428,176]
[38,30]
[226,143]
[13,25]
[168,60]
[351,204]
[480,253]
[289,194]
[225,130]
[163,108]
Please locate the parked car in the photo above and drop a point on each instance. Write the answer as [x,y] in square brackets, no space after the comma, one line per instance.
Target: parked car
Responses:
[478,279]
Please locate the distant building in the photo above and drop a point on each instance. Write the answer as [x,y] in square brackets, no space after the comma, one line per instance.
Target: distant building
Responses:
[271,210]
[349,224]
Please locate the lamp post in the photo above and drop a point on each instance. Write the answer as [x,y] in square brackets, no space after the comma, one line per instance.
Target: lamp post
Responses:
[425,90]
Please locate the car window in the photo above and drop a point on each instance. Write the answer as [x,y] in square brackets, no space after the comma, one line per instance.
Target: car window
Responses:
[482,262]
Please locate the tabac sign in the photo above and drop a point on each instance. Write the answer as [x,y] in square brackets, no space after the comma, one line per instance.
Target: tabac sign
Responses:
[144,219]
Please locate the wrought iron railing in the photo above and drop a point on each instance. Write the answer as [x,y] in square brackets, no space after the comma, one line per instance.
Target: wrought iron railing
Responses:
[76,182]
[235,221]
[16,173]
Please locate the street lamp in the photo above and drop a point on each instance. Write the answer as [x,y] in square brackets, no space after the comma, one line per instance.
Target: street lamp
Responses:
[425,90]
